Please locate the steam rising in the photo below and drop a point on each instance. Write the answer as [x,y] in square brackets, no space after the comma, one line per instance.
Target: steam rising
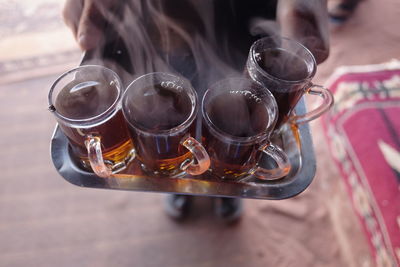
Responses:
[204,41]
[264,27]
[159,107]
[176,37]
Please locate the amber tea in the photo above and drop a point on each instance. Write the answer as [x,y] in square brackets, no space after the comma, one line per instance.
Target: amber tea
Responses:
[87,108]
[161,109]
[238,118]
[285,67]
[237,115]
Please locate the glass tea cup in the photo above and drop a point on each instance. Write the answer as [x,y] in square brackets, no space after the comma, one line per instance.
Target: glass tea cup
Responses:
[86,102]
[161,109]
[286,68]
[239,116]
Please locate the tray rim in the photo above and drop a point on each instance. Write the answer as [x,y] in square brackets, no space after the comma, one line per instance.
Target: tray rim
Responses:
[274,190]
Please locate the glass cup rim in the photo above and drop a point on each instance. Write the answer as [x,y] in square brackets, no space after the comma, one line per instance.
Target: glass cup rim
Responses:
[94,119]
[238,139]
[263,72]
[183,125]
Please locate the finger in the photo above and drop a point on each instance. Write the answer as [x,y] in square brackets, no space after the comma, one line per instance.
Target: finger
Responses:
[90,26]
[306,22]
[71,14]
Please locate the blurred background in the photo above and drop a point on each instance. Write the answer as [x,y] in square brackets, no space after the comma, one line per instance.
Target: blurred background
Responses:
[45,221]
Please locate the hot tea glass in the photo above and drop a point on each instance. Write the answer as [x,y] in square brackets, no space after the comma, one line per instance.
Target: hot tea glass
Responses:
[286,68]
[86,102]
[239,116]
[161,109]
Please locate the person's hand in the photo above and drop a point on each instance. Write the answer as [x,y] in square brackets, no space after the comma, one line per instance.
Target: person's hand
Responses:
[307,22]
[87,20]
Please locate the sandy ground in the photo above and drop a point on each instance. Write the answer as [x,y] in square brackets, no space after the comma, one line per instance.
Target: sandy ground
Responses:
[44,221]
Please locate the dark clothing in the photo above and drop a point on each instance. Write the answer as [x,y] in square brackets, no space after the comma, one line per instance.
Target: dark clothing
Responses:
[183,32]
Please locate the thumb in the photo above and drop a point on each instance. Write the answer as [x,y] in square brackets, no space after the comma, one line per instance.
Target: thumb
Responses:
[306,21]
[89,28]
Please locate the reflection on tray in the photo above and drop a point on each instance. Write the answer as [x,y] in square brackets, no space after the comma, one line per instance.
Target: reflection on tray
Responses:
[296,141]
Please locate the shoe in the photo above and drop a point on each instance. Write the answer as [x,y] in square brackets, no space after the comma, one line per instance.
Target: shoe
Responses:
[230,210]
[177,206]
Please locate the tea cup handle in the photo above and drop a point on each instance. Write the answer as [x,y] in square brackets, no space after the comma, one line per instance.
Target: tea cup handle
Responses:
[95,154]
[93,146]
[199,154]
[327,103]
[281,159]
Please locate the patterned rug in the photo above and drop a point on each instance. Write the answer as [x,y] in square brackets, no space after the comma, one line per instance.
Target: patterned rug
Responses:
[363,130]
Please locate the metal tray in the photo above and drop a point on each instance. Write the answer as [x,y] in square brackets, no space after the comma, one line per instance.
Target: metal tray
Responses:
[295,140]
